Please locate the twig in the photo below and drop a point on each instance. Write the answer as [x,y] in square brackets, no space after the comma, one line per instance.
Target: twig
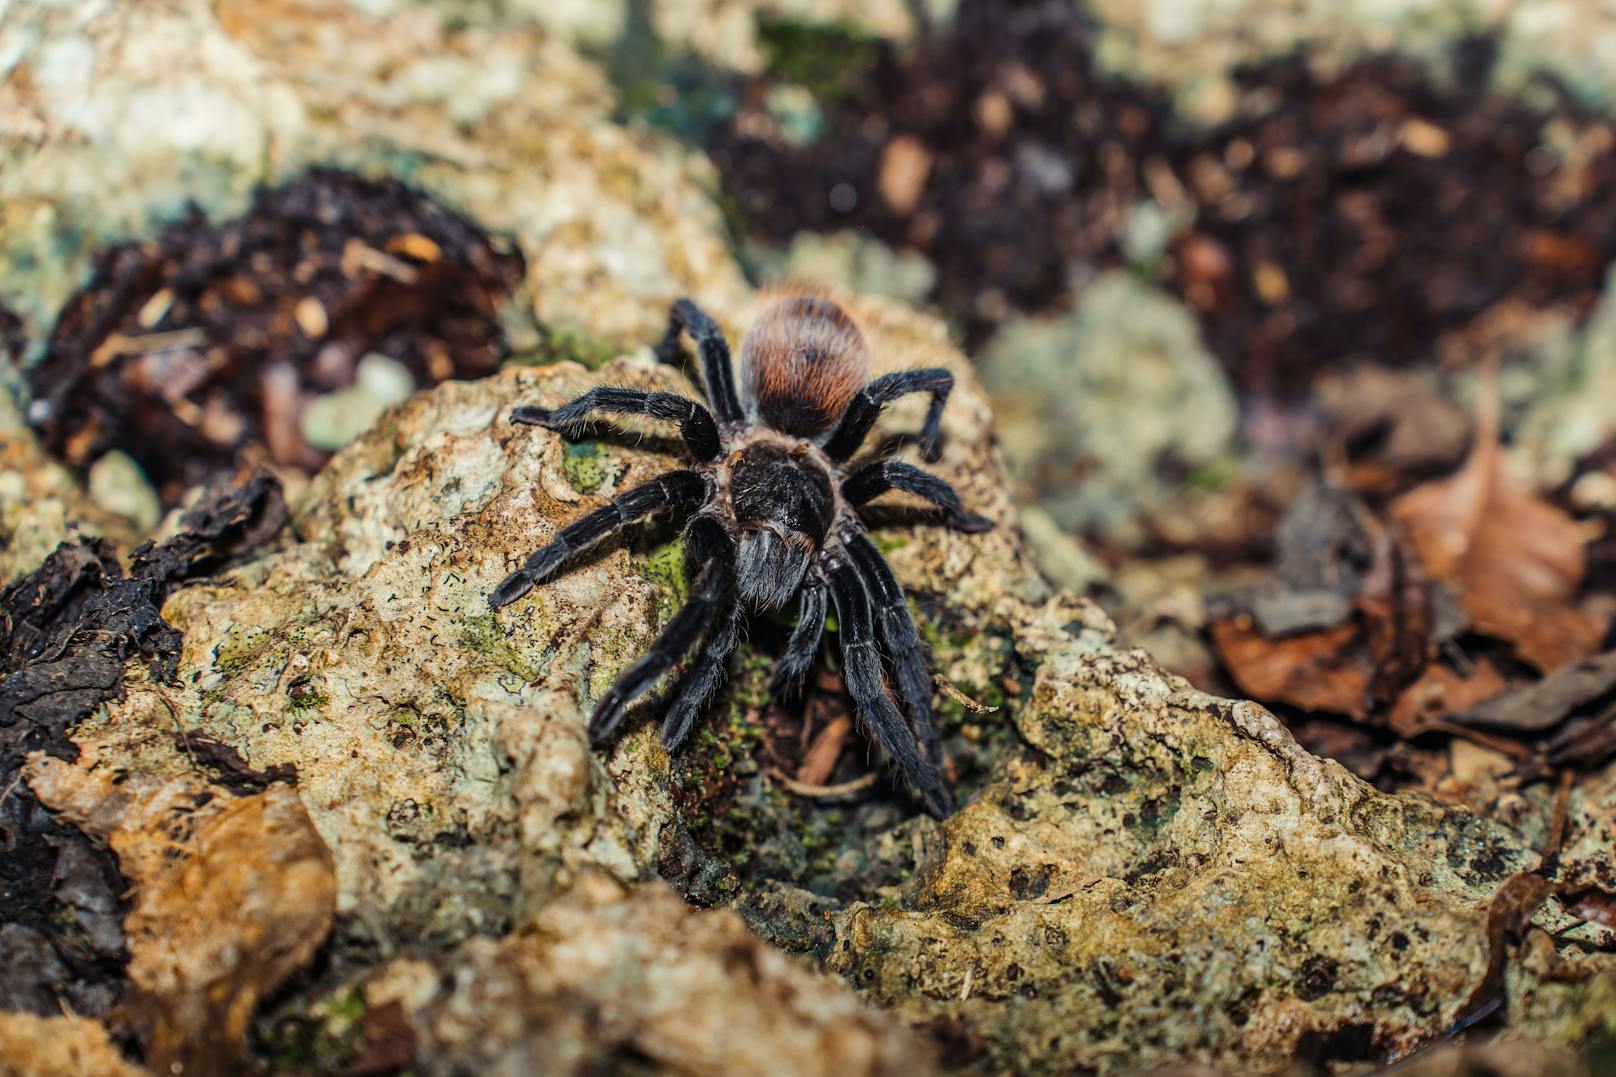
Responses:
[1557,824]
[961,698]
[805,789]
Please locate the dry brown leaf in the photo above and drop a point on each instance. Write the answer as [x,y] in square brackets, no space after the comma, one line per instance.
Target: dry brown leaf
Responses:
[1544,704]
[1514,559]
[1395,609]
[1593,905]
[1315,671]
[1514,903]
[820,758]
[62,1046]
[1440,691]
[231,895]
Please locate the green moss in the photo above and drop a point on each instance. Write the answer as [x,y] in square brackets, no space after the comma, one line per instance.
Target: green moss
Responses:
[665,567]
[752,688]
[304,702]
[676,92]
[586,465]
[241,644]
[830,59]
[325,1039]
[344,1010]
[934,636]
[1213,475]
[575,346]
[484,635]
[886,543]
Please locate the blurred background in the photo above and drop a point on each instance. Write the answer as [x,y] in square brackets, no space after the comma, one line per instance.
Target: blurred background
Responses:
[1295,315]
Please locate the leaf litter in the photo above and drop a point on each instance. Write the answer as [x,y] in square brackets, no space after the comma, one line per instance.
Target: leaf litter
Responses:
[70,932]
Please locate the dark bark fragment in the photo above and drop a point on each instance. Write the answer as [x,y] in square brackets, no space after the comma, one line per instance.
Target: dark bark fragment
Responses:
[69,628]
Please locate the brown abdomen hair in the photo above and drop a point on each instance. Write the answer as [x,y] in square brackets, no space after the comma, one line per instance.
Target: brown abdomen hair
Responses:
[803,360]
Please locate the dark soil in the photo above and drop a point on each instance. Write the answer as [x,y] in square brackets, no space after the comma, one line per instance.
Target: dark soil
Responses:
[198,352]
[1374,214]
[70,626]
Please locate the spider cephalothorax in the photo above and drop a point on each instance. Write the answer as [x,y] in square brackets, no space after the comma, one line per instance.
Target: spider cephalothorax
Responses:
[775,517]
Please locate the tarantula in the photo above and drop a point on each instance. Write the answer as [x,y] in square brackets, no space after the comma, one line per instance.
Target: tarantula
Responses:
[775,516]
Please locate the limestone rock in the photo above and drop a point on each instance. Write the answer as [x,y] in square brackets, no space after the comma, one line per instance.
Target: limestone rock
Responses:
[605,973]
[1096,399]
[113,118]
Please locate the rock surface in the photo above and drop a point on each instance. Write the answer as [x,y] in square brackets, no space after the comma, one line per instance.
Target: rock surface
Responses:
[1140,874]
[1094,402]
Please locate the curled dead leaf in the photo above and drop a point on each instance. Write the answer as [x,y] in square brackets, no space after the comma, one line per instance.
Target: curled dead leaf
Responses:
[1316,671]
[1515,560]
[231,895]
[1543,704]
[1440,691]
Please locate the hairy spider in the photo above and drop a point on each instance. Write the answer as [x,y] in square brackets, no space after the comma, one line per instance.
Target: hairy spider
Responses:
[775,516]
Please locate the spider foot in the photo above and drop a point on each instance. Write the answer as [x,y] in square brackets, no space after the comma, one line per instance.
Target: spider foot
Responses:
[969,522]
[533,415]
[514,587]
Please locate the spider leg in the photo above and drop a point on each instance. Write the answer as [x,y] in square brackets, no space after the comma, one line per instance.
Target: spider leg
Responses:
[718,371]
[712,594]
[804,642]
[701,679]
[870,482]
[897,631]
[861,665]
[680,489]
[861,414]
[695,422]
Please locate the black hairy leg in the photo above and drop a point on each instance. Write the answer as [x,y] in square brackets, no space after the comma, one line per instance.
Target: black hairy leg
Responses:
[901,642]
[803,645]
[861,666]
[708,545]
[868,483]
[718,372]
[701,679]
[866,407]
[696,423]
[676,489]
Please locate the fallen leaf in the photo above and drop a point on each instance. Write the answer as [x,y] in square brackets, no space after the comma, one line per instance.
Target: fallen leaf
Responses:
[1316,671]
[1514,903]
[1515,560]
[59,1046]
[1395,608]
[905,167]
[1439,692]
[823,752]
[1584,743]
[1543,704]
[1593,905]
[1385,428]
[231,895]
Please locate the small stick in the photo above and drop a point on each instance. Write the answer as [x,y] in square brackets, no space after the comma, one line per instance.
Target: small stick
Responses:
[805,789]
[961,698]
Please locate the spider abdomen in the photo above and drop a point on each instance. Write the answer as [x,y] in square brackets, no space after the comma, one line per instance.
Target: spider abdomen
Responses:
[804,360]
